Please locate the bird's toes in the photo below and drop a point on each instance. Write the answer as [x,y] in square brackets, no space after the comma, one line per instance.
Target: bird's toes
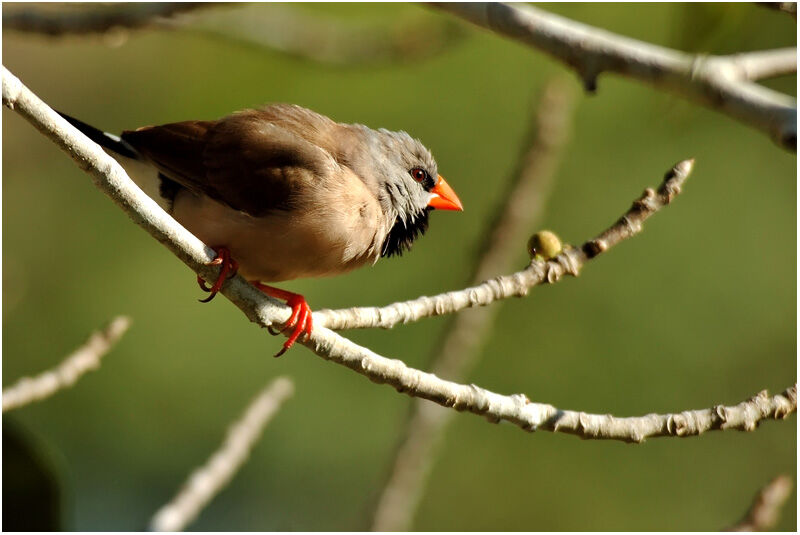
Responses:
[299,322]
[228,270]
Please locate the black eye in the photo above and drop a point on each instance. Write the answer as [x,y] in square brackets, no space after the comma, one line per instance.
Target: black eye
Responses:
[420,175]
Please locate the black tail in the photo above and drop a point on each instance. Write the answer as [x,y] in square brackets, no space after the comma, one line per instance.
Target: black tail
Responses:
[104,139]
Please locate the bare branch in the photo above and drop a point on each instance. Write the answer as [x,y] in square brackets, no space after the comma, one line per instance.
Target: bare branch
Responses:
[110,178]
[765,63]
[93,20]
[278,27]
[84,359]
[517,284]
[323,39]
[711,81]
[206,482]
[457,350]
[765,510]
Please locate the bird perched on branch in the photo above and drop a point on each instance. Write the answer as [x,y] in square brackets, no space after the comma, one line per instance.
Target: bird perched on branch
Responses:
[284,192]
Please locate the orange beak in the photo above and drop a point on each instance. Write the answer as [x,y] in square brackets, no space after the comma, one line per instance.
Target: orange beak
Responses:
[444,198]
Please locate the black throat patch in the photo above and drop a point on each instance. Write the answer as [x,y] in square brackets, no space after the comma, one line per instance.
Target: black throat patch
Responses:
[402,235]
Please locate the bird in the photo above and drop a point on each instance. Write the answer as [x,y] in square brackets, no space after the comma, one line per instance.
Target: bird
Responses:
[282,192]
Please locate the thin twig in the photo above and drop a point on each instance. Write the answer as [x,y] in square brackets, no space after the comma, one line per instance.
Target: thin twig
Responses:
[458,349]
[206,482]
[765,63]
[92,20]
[313,37]
[111,179]
[709,80]
[286,29]
[517,284]
[84,359]
[765,510]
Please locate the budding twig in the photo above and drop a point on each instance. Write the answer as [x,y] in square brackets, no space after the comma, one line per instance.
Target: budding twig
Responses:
[516,284]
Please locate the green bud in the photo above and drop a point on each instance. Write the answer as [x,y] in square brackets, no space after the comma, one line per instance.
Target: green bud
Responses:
[545,245]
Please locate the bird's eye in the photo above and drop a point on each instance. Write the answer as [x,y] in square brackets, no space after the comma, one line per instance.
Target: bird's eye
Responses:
[419,174]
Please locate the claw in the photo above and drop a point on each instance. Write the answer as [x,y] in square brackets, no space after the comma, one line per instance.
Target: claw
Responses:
[301,321]
[229,268]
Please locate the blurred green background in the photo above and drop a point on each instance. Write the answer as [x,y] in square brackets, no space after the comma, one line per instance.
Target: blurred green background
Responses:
[698,310]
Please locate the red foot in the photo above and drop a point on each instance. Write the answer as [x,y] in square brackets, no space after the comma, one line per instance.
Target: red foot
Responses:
[300,321]
[229,267]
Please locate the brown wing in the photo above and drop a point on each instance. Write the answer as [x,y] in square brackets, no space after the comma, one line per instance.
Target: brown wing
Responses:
[245,160]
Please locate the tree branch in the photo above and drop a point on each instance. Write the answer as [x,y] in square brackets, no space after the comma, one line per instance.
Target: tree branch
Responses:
[285,29]
[110,178]
[764,63]
[458,349]
[206,482]
[323,39]
[94,20]
[84,359]
[766,507]
[517,284]
[712,81]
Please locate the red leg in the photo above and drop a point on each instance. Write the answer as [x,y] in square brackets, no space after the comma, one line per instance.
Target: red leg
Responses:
[300,321]
[229,267]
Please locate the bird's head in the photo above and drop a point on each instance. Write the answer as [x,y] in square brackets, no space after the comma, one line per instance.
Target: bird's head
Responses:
[409,187]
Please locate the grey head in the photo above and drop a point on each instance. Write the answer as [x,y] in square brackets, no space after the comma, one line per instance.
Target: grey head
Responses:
[402,172]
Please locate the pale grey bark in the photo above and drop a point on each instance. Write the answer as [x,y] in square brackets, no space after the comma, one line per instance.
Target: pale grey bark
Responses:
[97,19]
[458,349]
[206,482]
[764,64]
[766,508]
[84,359]
[110,178]
[569,262]
[283,28]
[712,81]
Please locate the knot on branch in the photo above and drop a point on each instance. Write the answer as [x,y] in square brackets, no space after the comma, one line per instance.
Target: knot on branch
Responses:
[647,202]
[788,140]
[587,68]
[721,412]
[683,424]
[786,403]
[588,79]
[474,399]
[594,247]
[563,264]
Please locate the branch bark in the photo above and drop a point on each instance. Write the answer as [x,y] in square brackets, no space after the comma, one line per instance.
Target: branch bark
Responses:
[277,27]
[305,35]
[713,81]
[458,349]
[764,63]
[84,359]
[110,178]
[766,507]
[569,262]
[206,482]
[94,20]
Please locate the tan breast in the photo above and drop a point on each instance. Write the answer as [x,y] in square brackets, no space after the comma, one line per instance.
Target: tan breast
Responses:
[334,226]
